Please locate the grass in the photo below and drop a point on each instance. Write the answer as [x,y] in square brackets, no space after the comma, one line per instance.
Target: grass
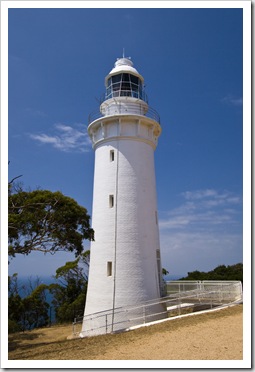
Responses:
[52,343]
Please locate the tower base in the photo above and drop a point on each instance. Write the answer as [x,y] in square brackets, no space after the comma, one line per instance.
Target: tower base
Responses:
[118,320]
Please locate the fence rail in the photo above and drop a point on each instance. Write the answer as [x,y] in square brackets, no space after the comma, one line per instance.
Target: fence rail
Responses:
[181,298]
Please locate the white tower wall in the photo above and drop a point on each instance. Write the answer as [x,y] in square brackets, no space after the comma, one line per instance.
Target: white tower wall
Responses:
[127,233]
[125,264]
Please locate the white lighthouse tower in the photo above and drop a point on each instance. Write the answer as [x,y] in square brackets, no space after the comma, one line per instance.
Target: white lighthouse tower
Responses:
[125,267]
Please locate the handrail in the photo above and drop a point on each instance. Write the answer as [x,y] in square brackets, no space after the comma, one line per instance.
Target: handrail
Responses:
[206,294]
[123,109]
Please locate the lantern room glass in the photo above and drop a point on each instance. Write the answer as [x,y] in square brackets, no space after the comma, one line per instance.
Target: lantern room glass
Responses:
[126,85]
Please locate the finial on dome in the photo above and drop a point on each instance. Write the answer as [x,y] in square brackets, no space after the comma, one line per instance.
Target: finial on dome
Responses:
[124,61]
[123,58]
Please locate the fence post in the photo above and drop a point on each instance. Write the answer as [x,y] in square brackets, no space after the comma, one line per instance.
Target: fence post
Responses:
[179,307]
[74,326]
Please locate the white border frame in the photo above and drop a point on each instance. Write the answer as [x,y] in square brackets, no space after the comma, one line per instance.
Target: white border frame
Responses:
[246,6]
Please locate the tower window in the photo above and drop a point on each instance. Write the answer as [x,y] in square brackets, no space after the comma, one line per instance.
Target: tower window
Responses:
[109,268]
[111,201]
[112,155]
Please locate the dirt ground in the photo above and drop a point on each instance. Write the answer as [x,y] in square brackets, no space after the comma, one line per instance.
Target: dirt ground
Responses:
[214,335]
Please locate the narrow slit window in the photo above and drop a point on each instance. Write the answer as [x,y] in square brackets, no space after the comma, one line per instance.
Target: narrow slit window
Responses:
[112,155]
[109,268]
[111,201]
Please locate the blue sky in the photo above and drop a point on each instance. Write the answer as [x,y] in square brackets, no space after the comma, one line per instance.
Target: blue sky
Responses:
[192,63]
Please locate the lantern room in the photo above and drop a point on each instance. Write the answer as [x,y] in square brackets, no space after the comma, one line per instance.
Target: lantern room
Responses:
[124,81]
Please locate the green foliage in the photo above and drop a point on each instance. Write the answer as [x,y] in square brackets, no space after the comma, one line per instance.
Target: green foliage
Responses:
[164,271]
[70,291]
[69,295]
[35,307]
[15,305]
[67,312]
[13,326]
[29,312]
[15,311]
[46,221]
[222,272]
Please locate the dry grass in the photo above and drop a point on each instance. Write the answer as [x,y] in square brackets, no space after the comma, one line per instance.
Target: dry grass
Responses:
[208,336]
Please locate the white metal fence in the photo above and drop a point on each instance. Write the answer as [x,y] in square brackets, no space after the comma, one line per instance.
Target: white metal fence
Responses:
[182,297]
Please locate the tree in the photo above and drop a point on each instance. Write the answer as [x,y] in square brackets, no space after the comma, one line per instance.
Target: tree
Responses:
[70,291]
[11,184]
[46,221]
[221,272]
[15,305]
[35,308]
[27,312]
[164,271]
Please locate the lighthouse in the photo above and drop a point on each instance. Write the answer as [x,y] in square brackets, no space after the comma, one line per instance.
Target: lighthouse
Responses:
[125,264]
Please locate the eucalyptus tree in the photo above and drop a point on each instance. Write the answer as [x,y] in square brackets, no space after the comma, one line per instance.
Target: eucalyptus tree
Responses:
[69,292]
[46,221]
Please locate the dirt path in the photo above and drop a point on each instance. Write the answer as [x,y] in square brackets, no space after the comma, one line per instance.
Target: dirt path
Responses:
[210,336]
